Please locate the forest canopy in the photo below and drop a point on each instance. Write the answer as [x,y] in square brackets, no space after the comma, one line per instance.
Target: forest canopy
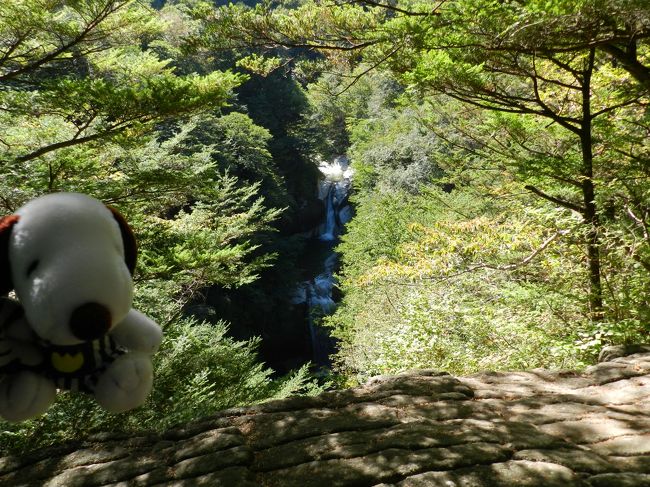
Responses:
[536,114]
[501,160]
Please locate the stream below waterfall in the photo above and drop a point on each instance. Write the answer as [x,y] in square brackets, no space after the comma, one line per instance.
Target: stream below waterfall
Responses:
[318,289]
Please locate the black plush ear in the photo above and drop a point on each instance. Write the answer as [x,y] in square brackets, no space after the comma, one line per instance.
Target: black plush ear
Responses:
[6,224]
[130,245]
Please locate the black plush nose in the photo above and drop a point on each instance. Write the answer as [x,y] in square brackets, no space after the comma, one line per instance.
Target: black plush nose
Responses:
[90,321]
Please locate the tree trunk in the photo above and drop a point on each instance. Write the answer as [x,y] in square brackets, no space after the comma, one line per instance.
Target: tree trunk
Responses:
[593,251]
[589,195]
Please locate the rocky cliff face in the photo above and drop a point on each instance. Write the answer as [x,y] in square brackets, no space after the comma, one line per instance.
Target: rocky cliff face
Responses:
[423,428]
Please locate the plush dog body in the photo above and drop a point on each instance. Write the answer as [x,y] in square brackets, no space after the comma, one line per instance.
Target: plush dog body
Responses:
[70,259]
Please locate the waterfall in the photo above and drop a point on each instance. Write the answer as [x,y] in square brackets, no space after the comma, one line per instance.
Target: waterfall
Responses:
[330,215]
[333,190]
[316,292]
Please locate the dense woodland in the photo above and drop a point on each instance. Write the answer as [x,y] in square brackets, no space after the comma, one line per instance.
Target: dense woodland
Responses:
[501,159]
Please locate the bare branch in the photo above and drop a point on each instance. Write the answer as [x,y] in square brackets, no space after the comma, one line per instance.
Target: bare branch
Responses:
[109,9]
[548,112]
[630,63]
[76,140]
[515,265]
[60,145]
[558,201]
[366,71]
[394,8]
[639,221]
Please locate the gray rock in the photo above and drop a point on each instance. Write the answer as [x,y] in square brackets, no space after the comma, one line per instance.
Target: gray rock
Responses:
[615,351]
[620,480]
[421,428]
[508,474]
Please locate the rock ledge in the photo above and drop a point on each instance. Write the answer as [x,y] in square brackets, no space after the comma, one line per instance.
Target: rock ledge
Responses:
[422,428]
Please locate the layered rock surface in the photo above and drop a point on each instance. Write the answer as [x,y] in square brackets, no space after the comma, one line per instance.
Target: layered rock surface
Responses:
[422,428]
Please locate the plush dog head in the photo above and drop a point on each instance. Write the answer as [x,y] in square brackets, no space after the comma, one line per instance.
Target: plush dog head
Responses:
[69,259]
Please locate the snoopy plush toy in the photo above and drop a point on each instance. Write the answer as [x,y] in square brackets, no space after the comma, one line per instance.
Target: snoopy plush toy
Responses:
[70,259]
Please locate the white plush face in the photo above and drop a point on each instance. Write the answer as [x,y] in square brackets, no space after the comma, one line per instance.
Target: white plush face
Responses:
[65,252]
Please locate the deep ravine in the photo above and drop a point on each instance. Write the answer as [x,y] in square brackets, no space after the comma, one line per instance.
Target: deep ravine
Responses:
[317,291]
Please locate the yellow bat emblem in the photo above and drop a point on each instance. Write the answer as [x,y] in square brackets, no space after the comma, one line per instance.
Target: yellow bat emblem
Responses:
[67,363]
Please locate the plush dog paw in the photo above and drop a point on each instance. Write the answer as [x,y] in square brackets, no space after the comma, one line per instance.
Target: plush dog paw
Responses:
[126,383]
[25,395]
[138,333]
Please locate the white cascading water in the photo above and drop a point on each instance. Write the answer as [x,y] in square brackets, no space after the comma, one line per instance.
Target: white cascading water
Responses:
[333,190]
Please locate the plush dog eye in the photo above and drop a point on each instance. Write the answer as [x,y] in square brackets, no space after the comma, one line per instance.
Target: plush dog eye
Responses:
[32,267]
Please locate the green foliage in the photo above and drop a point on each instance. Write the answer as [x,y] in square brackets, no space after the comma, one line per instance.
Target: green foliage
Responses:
[290,146]
[388,142]
[284,23]
[239,147]
[87,108]
[532,115]
[260,65]
[72,74]
[198,370]
[529,106]
[450,290]
[341,98]
[210,244]
[384,229]
[398,148]
[39,33]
